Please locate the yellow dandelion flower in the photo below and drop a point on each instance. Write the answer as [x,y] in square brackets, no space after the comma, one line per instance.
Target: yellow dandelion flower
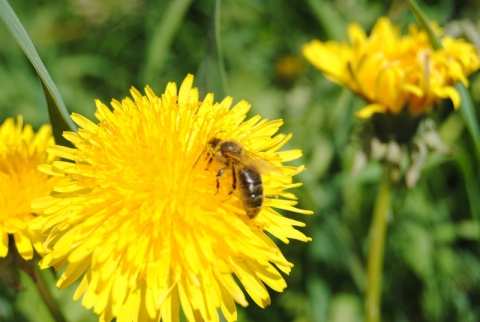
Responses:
[394,72]
[141,221]
[21,151]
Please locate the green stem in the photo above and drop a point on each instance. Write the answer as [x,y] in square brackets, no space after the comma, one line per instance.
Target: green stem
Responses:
[47,297]
[377,249]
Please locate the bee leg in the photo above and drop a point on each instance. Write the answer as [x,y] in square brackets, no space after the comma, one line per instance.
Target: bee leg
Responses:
[234,180]
[219,174]
[210,160]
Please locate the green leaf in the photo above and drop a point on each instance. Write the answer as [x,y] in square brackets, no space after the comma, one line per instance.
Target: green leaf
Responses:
[58,113]
[59,118]
[467,111]
[423,22]
[469,167]
[211,72]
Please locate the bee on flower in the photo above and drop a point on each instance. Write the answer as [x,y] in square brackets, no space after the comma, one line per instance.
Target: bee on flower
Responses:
[143,220]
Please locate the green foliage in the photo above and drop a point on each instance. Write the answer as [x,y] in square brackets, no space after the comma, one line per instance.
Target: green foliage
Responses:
[432,261]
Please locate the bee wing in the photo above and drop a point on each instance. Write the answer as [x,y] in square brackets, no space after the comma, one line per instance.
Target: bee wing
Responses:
[254,160]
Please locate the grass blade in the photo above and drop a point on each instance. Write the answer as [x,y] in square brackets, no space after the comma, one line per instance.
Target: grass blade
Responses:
[162,38]
[59,116]
[211,72]
[469,116]
[423,22]
[328,18]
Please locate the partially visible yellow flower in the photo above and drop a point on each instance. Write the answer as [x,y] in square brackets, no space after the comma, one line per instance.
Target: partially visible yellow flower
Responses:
[394,72]
[141,222]
[21,151]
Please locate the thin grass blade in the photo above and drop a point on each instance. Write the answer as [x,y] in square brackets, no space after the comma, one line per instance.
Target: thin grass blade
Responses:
[211,72]
[162,38]
[423,22]
[59,116]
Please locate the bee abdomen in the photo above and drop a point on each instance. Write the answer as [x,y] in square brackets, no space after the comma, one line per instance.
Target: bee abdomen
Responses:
[251,189]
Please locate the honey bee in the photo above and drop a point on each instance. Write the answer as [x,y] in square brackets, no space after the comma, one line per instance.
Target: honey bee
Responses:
[245,172]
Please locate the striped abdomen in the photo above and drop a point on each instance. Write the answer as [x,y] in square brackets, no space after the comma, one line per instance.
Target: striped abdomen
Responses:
[251,190]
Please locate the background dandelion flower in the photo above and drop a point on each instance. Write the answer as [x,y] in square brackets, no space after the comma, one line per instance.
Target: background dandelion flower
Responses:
[395,72]
[142,221]
[21,151]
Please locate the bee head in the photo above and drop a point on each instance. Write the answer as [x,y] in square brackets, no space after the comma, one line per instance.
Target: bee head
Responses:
[213,143]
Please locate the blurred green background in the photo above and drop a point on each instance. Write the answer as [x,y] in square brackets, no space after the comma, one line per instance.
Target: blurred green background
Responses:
[99,49]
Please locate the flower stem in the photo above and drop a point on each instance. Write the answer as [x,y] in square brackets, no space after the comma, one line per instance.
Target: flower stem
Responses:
[376,249]
[47,297]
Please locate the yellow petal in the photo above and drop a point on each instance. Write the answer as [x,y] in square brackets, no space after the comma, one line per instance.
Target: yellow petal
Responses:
[23,245]
[367,111]
[451,93]
[3,243]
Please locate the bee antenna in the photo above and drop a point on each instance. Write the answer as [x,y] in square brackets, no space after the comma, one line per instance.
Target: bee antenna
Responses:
[203,151]
[219,132]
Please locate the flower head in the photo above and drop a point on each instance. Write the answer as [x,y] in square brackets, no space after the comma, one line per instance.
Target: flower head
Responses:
[142,219]
[21,151]
[394,73]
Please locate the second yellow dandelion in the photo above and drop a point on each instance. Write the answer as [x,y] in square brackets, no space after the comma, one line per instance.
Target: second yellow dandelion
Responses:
[395,73]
